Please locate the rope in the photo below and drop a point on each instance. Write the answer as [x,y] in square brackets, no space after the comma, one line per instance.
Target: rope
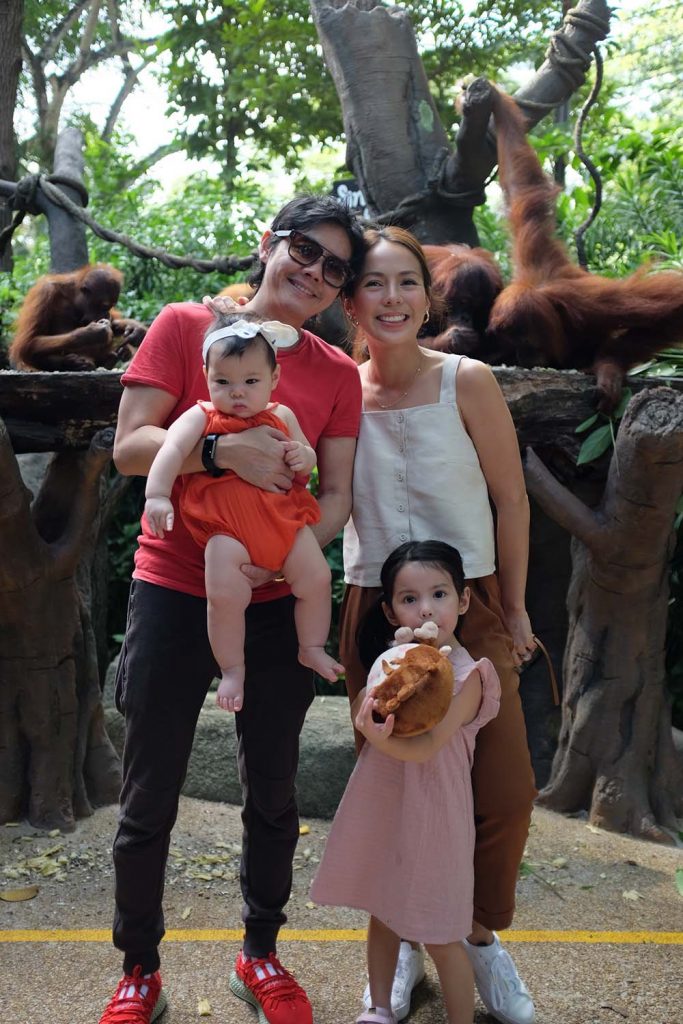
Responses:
[567,57]
[23,202]
[588,163]
[224,264]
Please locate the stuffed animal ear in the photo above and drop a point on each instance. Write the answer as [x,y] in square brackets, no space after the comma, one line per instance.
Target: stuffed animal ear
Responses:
[427,633]
[446,650]
[403,635]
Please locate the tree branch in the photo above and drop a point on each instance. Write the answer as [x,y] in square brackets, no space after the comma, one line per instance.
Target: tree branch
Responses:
[130,81]
[66,549]
[51,44]
[561,505]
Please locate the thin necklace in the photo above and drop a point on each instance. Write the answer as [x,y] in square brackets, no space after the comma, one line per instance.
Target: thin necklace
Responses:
[390,405]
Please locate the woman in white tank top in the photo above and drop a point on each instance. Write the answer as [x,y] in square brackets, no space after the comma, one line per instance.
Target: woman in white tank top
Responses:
[436,448]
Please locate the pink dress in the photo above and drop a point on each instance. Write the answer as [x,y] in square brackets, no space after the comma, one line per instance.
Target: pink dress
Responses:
[401,844]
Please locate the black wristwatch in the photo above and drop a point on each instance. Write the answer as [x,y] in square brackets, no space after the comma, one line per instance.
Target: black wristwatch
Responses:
[209,455]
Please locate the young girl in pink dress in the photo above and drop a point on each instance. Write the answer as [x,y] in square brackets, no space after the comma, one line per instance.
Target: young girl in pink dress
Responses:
[402,841]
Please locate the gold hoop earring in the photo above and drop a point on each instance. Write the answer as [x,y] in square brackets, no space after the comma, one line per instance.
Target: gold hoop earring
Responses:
[426,316]
[351,317]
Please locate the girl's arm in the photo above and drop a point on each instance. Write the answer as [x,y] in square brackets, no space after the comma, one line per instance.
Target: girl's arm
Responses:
[463,710]
[299,455]
[488,422]
[181,438]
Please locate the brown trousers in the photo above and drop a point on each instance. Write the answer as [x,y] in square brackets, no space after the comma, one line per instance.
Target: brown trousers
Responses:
[502,777]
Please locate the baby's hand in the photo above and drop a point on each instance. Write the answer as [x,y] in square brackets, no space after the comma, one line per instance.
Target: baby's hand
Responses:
[298,456]
[159,513]
[219,304]
[373,731]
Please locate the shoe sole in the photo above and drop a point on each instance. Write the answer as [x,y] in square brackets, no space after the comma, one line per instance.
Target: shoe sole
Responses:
[159,1007]
[238,988]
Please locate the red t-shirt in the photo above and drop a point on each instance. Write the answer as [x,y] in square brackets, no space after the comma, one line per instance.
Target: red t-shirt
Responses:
[318,382]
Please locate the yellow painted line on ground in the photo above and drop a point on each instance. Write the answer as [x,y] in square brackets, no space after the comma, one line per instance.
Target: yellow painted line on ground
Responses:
[339,935]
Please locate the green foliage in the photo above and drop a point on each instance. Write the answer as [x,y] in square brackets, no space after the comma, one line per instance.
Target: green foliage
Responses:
[648,63]
[603,434]
[250,81]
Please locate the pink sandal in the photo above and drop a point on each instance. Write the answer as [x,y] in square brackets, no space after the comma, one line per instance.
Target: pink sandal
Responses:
[376,1015]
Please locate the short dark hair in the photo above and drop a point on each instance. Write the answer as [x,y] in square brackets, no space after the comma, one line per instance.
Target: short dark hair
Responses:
[374,632]
[234,346]
[307,211]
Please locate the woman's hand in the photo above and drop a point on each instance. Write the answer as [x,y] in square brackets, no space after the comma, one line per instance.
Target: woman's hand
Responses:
[257,456]
[519,628]
[374,732]
[257,575]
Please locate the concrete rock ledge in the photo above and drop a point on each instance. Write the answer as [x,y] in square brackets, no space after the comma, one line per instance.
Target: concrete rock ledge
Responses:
[326,756]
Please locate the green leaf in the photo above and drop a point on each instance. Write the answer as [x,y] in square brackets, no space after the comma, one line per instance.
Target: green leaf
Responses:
[626,396]
[595,445]
[679,881]
[587,423]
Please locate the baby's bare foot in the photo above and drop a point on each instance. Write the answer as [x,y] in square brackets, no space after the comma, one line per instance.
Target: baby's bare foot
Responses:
[320,661]
[230,693]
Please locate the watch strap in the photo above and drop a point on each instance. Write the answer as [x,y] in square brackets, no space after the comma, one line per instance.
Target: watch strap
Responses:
[209,455]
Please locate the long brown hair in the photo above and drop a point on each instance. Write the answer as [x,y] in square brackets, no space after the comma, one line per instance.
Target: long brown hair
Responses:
[397,236]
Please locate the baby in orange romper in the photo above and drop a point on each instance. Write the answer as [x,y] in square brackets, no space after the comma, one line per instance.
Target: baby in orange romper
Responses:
[236,522]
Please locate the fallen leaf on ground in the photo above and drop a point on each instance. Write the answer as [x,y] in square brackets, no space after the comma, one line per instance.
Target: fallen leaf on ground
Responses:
[311,906]
[632,894]
[204,1008]
[18,895]
[304,830]
[186,913]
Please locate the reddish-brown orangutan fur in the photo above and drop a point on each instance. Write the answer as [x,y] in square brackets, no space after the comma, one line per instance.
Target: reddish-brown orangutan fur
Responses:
[240,290]
[67,322]
[465,283]
[554,313]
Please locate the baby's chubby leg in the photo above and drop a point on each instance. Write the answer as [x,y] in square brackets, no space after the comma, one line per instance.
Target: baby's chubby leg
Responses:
[308,574]
[228,593]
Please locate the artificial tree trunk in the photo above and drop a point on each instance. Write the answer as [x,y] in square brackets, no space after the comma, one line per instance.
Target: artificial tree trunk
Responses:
[11,16]
[397,147]
[56,761]
[615,756]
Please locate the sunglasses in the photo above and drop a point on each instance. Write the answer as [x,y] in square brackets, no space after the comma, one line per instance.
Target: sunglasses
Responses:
[306,251]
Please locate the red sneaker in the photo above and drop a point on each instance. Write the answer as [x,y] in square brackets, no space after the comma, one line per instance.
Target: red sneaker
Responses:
[271,990]
[138,1000]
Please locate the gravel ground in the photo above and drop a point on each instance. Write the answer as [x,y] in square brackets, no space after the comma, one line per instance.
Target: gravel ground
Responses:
[574,877]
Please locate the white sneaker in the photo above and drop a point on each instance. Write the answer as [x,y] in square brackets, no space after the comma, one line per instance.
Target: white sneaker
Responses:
[502,991]
[410,970]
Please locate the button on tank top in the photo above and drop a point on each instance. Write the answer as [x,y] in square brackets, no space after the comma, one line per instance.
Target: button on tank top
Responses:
[417,477]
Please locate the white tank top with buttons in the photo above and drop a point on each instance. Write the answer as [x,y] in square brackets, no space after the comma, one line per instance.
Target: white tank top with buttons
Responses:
[417,476]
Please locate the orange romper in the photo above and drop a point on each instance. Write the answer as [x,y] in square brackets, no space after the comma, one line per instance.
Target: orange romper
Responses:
[265,522]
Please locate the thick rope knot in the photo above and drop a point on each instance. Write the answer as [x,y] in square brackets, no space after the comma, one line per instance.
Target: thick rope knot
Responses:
[24,198]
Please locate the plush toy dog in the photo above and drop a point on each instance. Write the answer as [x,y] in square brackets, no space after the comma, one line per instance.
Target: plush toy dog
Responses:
[413,681]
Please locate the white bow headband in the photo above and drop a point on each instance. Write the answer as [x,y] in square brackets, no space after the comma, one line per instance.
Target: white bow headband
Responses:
[277,334]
